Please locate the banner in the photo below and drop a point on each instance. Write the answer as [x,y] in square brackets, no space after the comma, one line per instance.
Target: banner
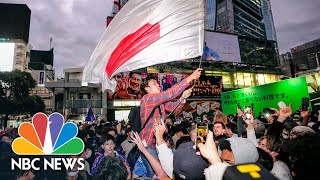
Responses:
[207,86]
[128,84]
[288,91]
[221,47]
[194,110]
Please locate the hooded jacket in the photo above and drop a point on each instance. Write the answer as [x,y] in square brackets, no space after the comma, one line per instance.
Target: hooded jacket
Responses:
[243,150]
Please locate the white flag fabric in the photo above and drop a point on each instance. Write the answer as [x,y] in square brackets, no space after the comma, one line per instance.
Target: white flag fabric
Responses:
[145,33]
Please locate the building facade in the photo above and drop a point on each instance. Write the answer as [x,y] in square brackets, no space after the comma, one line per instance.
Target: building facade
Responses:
[241,17]
[73,98]
[210,22]
[14,36]
[15,21]
[41,69]
[307,55]
[14,55]
[245,18]
[286,64]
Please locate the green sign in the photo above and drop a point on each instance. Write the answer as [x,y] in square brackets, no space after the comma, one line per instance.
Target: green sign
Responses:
[288,91]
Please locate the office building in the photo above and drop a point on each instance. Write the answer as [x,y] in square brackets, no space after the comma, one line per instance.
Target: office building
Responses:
[210,17]
[268,20]
[307,54]
[244,18]
[15,21]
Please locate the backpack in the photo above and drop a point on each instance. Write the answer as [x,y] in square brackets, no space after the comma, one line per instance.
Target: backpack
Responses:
[134,119]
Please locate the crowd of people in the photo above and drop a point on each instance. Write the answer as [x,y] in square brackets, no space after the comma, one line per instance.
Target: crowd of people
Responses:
[287,143]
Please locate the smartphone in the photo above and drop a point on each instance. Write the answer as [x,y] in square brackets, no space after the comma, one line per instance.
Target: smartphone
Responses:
[202,132]
[266,115]
[305,104]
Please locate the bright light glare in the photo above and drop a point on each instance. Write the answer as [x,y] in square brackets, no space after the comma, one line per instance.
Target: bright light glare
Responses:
[122,115]
[6,56]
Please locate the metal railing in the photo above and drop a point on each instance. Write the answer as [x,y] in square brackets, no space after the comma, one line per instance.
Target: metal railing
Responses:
[80,103]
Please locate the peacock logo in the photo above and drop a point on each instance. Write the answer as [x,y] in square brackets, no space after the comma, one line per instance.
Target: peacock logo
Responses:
[46,136]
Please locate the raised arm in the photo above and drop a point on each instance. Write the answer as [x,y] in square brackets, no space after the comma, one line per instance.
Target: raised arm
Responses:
[251,135]
[169,106]
[165,153]
[240,122]
[210,152]
[174,91]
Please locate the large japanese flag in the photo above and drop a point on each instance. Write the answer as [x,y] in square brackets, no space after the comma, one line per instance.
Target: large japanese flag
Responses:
[145,33]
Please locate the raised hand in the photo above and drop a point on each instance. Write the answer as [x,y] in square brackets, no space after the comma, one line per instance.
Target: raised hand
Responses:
[304,113]
[136,139]
[239,111]
[195,75]
[276,112]
[284,113]
[160,129]
[186,93]
[209,150]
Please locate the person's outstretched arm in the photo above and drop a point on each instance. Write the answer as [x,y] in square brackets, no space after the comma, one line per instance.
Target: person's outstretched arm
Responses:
[165,153]
[173,92]
[210,152]
[169,106]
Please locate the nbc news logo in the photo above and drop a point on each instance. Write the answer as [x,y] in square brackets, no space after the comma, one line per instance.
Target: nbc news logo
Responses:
[47,136]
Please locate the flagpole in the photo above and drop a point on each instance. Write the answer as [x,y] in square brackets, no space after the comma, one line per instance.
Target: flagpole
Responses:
[204,28]
[50,42]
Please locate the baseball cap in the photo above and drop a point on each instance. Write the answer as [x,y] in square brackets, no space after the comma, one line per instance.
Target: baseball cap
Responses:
[187,164]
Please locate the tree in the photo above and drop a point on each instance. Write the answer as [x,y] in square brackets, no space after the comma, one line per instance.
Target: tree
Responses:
[14,94]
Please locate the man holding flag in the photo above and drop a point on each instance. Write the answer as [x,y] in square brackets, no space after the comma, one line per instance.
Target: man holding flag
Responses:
[164,100]
[142,34]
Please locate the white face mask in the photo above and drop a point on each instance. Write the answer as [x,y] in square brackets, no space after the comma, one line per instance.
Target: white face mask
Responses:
[89,153]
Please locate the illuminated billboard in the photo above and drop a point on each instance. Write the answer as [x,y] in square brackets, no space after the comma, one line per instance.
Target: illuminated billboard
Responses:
[268,95]
[221,47]
[15,21]
[6,56]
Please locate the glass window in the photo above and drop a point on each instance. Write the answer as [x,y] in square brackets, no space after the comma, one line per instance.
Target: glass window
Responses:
[243,80]
[266,78]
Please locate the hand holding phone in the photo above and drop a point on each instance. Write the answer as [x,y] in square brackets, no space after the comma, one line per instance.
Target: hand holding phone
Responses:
[202,131]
